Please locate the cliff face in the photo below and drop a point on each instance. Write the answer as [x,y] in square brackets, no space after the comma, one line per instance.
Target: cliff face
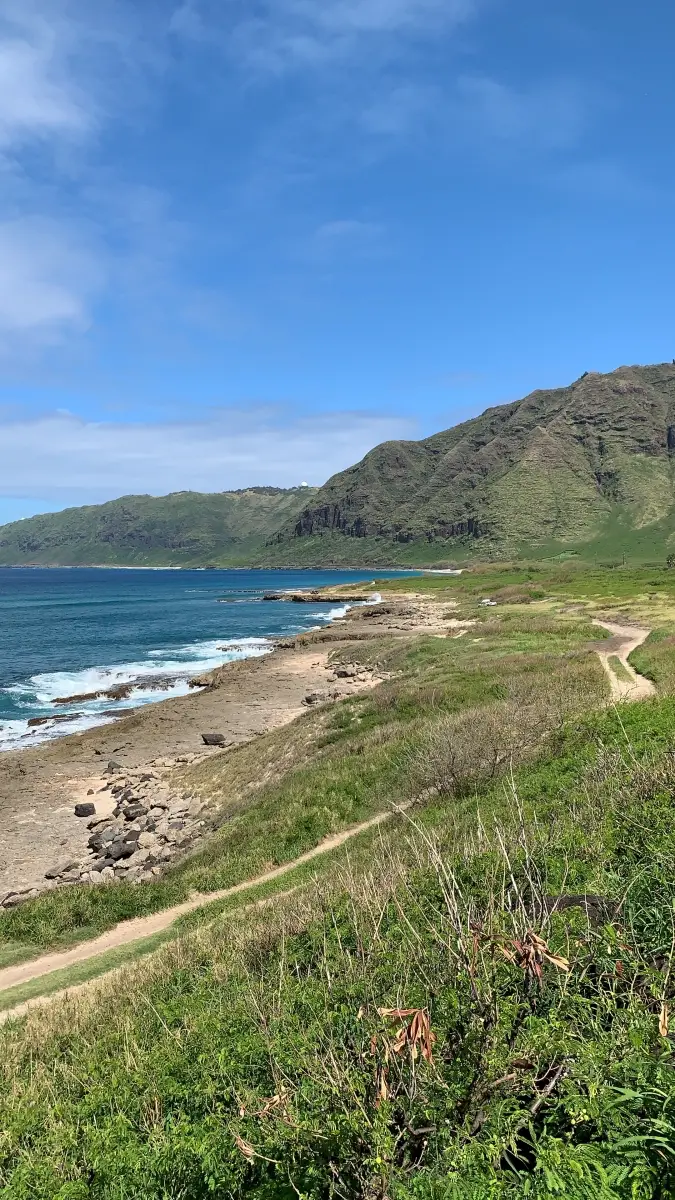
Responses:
[554,466]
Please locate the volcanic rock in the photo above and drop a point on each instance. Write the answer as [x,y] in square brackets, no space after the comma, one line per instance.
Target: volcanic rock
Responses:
[213,739]
[85,809]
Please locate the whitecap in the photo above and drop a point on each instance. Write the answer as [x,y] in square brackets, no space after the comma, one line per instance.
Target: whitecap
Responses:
[164,673]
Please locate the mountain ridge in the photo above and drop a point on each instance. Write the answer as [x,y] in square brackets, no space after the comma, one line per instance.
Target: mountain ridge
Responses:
[183,528]
[588,468]
[555,466]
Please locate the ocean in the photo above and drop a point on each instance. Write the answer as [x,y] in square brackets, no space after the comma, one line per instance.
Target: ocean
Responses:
[71,632]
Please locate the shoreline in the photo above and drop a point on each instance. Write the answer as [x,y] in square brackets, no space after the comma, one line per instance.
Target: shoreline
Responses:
[42,719]
[140,567]
[241,700]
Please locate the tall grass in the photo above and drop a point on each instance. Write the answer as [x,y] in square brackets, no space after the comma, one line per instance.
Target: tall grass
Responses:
[481,1009]
[330,770]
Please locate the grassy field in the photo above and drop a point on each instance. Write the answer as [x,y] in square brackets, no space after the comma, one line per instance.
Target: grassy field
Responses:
[473,1001]
[282,795]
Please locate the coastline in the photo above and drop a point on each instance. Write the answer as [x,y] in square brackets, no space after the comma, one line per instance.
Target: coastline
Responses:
[241,700]
[45,696]
[142,567]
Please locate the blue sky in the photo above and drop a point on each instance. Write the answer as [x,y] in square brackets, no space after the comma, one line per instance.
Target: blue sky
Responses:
[243,241]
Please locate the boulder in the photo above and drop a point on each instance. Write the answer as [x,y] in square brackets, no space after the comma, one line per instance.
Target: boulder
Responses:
[60,868]
[85,809]
[107,873]
[133,811]
[213,739]
[121,849]
[101,863]
[95,877]
[103,837]
[147,840]
[97,820]
[114,765]
[16,898]
[71,876]
[346,672]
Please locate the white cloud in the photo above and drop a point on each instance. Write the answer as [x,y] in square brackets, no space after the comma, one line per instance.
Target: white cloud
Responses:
[48,273]
[62,458]
[56,60]
[66,68]
[35,98]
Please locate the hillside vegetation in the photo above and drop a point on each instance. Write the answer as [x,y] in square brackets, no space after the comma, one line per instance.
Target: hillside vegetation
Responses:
[582,470]
[586,467]
[473,1002]
[185,528]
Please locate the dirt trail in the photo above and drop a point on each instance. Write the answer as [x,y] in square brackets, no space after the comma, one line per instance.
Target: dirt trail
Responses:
[625,639]
[142,927]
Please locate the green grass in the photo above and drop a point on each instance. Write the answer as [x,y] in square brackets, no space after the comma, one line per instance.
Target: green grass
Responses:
[257,1058]
[253,1054]
[68,977]
[354,768]
[655,659]
[619,669]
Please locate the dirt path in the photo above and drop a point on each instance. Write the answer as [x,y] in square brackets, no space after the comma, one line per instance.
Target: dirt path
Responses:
[625,639]
[142,927]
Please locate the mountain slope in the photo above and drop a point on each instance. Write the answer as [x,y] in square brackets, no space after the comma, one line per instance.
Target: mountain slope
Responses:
[558,467]
[588,467]
[185,528]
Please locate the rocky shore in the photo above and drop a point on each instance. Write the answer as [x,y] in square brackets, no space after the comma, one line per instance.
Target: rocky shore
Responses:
[130,773]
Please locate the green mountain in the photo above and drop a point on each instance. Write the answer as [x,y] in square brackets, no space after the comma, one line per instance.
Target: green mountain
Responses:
[586,467]
[185,528]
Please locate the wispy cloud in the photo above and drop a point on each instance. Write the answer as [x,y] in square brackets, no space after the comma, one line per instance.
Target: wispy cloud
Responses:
[401,110]
[67,71]
[278,35]
[64,459]
[65,65]
[48,274]
[549,114]
[605,180]
[346,240]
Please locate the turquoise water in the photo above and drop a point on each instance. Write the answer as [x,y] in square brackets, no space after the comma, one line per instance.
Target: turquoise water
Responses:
[68,632]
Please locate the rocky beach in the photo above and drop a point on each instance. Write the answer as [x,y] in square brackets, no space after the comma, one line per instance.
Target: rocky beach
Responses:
[129,772]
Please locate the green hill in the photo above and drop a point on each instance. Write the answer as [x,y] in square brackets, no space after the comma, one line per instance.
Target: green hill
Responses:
[585,469]
[589,467]
[185,528]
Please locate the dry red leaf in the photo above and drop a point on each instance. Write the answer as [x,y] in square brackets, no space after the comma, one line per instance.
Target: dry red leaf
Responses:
[416,1033]
[531,953]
